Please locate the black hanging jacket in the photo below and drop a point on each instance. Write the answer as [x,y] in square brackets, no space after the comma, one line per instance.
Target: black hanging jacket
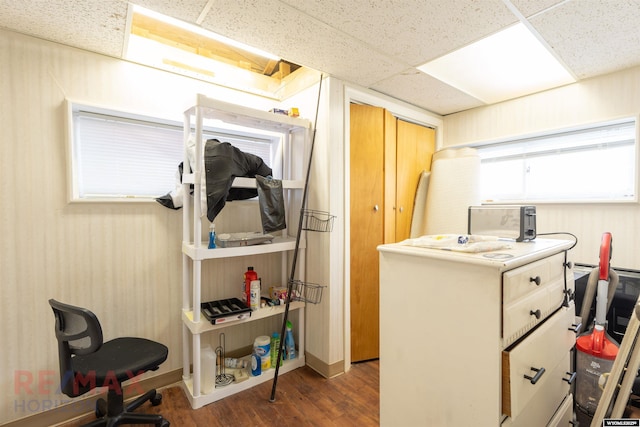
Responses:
[222,164]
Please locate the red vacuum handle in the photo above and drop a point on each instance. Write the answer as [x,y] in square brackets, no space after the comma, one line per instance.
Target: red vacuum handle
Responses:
[605,255]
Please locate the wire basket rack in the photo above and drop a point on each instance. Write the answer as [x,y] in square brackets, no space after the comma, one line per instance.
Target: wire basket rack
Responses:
[306,292]
[314,220]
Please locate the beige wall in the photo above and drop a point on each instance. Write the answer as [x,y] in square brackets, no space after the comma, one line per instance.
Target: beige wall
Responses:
[599,99]
[122,260]
[321,339]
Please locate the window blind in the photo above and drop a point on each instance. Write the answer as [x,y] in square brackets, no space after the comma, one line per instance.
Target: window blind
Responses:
[121,157]
[592,164]
[125,157]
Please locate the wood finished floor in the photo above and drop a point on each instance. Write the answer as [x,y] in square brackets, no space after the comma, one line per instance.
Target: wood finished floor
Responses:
[303,398]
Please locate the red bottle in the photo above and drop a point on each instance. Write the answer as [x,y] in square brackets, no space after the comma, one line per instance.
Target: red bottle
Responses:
[249,275]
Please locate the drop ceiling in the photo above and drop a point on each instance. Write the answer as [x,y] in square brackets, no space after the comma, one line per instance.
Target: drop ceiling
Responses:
[374,44]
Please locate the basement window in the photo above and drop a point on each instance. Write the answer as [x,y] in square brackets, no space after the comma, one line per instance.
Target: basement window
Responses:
[117,156]
[594,164]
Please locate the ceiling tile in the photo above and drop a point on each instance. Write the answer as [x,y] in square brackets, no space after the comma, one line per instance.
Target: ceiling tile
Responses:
[426,92]
[96,25]
[598,39]
[530,7]
[411,31]
[186,10]
[299,38]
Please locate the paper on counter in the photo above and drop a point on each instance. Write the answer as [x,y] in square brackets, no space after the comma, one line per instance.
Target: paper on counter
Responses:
[459,243]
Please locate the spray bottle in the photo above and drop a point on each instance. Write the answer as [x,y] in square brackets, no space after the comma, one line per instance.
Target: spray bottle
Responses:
[212,236]
[289,343]
[275,348]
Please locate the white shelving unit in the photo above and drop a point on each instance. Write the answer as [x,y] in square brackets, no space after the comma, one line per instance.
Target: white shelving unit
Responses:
[195,251]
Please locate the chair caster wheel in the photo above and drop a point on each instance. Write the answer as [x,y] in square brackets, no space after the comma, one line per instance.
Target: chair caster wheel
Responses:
[101,408]
[165,423]
[156,400]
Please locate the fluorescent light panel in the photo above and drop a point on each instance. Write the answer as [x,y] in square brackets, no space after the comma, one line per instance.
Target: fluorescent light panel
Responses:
[506,65]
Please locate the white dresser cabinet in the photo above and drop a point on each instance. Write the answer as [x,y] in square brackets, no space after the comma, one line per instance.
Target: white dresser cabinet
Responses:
[478,339]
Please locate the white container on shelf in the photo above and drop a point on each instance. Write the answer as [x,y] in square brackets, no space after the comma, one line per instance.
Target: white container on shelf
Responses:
[207,369]
[262,346]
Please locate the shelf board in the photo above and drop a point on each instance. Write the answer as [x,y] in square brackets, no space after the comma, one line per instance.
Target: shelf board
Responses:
[278,244]
[244,116]
[233,388]
[242,182]
[287,184]
[205,326]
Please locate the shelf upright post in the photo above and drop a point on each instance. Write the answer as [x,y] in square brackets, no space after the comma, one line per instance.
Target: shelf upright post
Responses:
[287,173]
[197,221]
[186,228]
[197,238]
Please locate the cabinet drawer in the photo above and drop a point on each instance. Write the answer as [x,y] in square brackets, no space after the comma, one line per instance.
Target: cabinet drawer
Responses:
[534,416]
[522,315]
[546,348]
[564,416]
[532,277]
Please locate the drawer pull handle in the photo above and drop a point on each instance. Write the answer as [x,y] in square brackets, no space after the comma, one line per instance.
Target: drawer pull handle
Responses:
[536,377]
[576,328]
[535,279]
[570,296]
[535,313]
[572,376]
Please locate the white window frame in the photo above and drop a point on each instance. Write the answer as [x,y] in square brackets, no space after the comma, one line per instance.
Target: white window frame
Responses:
[219,130]
[540,137]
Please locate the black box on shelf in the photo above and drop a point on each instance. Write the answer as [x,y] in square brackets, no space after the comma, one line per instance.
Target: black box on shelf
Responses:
[225,310]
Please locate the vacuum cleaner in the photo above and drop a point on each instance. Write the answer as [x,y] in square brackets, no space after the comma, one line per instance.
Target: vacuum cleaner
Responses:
[596,351]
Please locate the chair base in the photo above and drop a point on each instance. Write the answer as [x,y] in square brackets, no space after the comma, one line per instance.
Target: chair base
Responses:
[112,412]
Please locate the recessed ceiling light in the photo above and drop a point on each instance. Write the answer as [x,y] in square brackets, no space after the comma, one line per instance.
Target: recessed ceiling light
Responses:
[505,65]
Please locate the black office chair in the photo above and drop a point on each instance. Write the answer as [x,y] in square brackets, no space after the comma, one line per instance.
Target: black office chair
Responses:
[86,362]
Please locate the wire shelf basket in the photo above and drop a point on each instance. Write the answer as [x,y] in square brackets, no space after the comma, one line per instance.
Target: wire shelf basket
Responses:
[317,221]
[306,292]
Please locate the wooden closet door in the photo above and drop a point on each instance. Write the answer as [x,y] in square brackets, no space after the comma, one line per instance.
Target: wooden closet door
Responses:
[367,227]
[415,145]
[387,156]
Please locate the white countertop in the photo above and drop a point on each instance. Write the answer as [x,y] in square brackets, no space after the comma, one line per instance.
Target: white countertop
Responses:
[518,253]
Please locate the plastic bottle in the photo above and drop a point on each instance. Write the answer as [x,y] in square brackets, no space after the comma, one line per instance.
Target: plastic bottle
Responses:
[262,347]
[207,369]
[254,295]
[212,236]
[275,347]
[289,343]
[249,276]
[256,364]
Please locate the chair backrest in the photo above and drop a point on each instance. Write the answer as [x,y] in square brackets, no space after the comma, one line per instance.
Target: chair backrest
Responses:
[78,332]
